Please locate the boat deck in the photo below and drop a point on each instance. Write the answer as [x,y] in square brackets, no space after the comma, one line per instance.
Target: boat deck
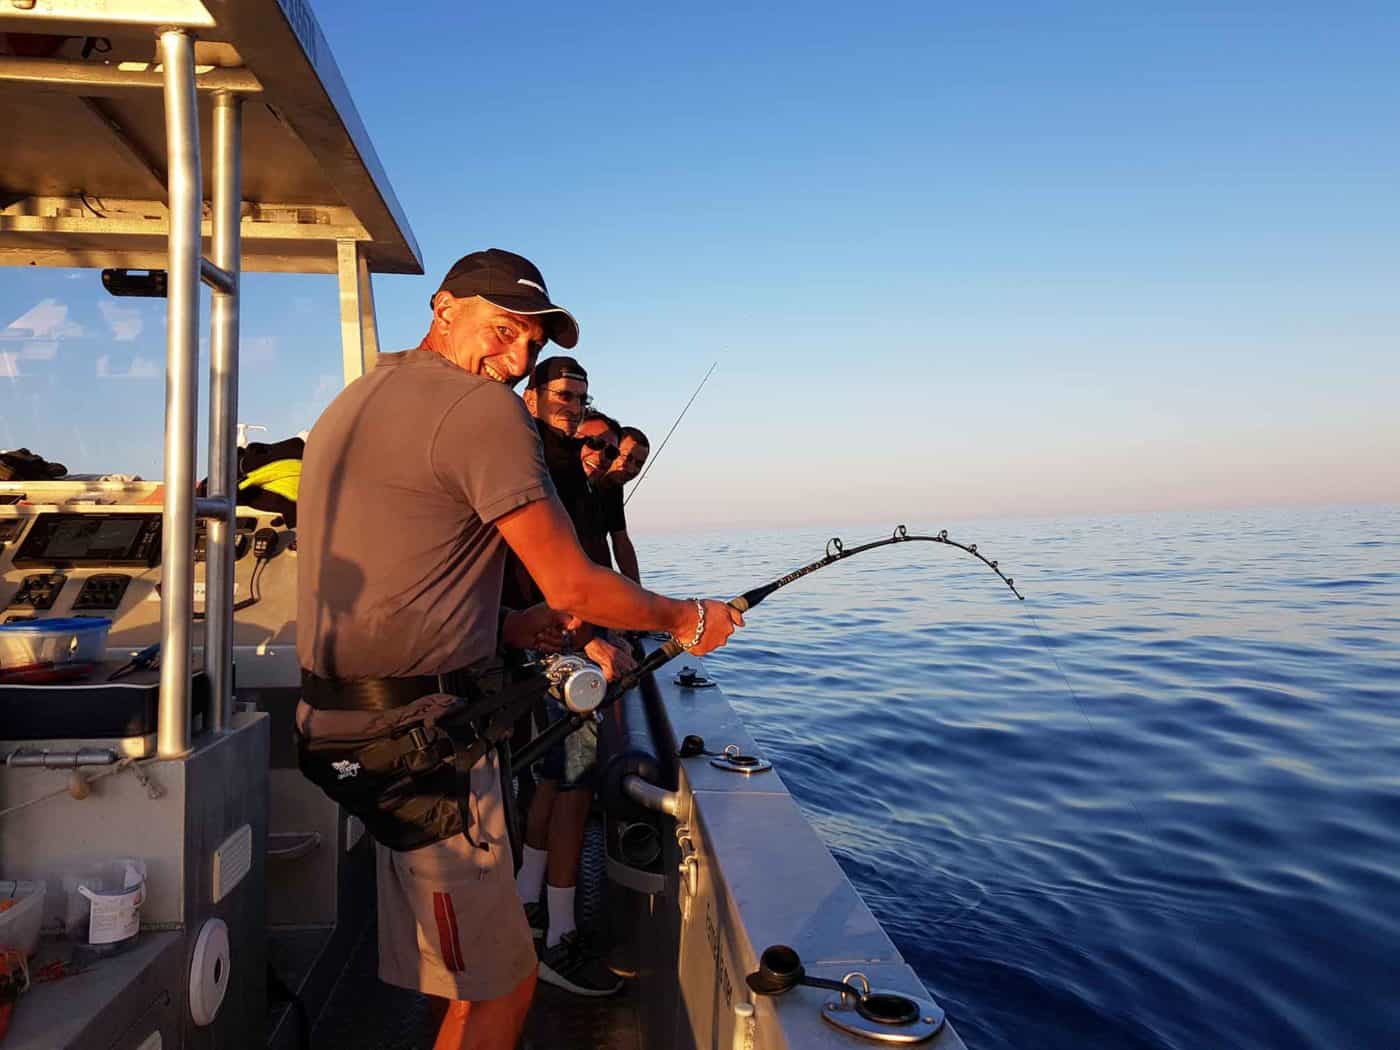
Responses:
[363,1013]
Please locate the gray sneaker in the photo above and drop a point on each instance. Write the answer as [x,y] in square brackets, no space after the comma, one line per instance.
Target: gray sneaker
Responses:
[537,915]
[570,965]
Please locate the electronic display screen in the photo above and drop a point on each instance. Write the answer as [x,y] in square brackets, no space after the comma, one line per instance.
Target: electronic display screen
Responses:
[91,539]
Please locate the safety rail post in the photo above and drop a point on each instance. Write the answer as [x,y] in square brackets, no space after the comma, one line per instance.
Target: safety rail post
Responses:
[223,404]
[181,394]
[359,332]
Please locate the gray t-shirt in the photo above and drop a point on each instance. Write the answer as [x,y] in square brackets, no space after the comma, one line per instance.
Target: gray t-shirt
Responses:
[399,565]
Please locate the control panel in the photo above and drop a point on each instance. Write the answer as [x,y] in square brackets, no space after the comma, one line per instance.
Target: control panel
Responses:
[66,539]
[61,555]
[242,538]
[102,593]
[39,590]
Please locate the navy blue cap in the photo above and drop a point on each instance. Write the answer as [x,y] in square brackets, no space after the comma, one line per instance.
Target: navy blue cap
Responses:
[513,283]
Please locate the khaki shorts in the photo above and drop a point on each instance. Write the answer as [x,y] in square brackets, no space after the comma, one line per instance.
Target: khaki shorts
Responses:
[450,923]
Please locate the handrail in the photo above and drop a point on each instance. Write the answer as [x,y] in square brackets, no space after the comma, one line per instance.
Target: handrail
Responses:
[224,309]
[181,361]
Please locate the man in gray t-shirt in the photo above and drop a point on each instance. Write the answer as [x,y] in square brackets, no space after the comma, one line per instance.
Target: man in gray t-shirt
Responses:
[415,481]
[401,573]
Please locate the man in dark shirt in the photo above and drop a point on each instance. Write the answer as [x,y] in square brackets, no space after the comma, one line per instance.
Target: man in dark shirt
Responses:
[557,815]
[597,436]
[633,450]
[416,479]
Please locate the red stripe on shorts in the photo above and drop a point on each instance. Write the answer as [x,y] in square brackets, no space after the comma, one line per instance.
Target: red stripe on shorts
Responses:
[450,947]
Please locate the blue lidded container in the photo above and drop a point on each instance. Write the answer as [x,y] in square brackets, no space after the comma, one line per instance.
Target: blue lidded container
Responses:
[58,645]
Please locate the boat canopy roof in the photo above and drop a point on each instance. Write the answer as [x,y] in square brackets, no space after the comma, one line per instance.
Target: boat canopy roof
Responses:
[83,179]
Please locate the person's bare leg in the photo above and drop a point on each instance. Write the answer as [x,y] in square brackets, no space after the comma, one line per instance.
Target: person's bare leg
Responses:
[538,818]
[490,1024]
[567,825]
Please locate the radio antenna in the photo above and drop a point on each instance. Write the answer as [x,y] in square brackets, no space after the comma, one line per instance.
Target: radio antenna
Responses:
[669,433]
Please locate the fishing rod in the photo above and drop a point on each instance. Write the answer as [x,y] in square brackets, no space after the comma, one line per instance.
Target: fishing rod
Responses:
[669,433]
[835,551]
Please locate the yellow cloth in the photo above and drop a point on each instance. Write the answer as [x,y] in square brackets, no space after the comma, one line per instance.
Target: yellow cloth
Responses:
[282,477]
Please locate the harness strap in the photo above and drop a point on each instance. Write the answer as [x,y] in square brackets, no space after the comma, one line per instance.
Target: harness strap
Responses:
[382,694]
[411,786]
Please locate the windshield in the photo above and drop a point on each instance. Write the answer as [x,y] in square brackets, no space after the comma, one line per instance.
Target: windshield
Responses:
[82,373]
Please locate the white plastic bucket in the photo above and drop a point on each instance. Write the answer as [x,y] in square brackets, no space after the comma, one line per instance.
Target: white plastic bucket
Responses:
[104,902]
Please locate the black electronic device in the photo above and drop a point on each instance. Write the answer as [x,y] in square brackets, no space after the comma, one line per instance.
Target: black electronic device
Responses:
[147,284]
[242,538]
[10,528]
[103,591]
[39,591]
[65,540]
[265,544]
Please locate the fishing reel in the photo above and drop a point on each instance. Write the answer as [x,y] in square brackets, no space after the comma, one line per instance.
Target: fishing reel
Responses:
[577,683]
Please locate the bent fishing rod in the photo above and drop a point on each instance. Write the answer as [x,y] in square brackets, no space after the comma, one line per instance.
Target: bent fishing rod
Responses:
[835,551]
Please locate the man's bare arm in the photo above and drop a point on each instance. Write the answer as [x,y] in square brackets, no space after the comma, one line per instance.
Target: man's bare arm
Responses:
[626,556]
[542,536]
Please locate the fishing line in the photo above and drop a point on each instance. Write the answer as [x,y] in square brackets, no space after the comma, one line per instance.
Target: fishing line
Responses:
[1103,742]
[667,438]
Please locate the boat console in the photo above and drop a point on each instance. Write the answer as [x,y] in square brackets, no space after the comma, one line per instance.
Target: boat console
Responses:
[219,137]
[93,549]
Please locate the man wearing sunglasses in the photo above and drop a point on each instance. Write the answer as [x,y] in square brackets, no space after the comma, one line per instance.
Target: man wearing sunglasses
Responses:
[557,396]
[557,812]
[416,480]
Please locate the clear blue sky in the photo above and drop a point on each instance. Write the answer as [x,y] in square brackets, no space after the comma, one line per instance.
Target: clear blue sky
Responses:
[952,259]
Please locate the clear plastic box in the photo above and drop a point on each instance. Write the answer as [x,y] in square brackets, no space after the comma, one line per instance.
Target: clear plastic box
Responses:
[60,647]
[20,921]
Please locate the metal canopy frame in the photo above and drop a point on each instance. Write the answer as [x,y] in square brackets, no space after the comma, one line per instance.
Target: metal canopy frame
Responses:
[106,172]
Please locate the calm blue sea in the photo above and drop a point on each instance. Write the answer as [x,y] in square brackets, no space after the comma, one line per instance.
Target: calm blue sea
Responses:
[1193,843]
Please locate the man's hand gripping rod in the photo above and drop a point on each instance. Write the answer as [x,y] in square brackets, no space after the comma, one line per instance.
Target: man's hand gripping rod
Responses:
[835,551]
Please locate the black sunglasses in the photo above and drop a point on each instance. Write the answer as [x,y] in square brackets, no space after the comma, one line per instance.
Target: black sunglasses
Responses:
[597,444]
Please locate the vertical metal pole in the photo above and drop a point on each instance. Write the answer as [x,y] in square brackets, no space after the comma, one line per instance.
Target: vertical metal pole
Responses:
[359,338]
[181,395]
[369,327]
[223,407]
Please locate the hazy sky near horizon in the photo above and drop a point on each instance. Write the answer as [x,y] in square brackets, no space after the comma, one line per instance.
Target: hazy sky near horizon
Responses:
[952,260]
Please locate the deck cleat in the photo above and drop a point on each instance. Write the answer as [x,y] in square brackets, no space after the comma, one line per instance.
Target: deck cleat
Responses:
[881,1015]
[690,678]
[735,761]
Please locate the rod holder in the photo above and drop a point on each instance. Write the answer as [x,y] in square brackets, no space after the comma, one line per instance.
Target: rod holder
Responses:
[649,796]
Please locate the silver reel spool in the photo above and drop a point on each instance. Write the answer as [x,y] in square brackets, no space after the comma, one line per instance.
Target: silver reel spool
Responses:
[578,684]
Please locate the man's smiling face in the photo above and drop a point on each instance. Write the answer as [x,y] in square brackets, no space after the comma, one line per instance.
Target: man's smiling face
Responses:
[599,447]
[631,458]
[559,404]
[481,338]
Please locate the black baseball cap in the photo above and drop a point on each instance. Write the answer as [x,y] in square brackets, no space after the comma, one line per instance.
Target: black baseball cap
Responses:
[552,368]
[513,283]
